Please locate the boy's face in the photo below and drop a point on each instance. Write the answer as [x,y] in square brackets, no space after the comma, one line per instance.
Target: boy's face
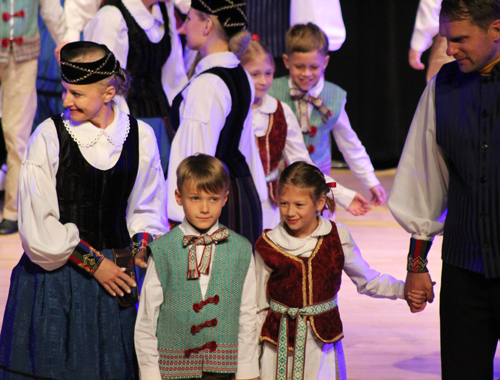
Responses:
[202,209]
[306,69]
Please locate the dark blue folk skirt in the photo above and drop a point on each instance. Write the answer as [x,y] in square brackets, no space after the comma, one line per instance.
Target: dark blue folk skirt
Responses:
[63,325]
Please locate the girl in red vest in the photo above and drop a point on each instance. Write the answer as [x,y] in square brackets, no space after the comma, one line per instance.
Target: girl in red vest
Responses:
[278,134]
[299,266]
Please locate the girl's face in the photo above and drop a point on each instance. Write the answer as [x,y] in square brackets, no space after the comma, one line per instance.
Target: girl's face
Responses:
[299,210]
[195,28]
[261,70]
[86,102]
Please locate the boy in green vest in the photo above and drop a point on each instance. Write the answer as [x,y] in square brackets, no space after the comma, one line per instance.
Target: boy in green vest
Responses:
[320,109]
[197,314]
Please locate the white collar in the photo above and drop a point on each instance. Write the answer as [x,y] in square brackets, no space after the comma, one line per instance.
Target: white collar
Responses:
[315,91]
[87,134]
[224,59]
[281,238]
[188,229]
[269,105]
[142,15]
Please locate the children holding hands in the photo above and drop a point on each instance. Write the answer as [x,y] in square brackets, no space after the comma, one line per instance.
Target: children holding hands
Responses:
[299,265]
[197,315]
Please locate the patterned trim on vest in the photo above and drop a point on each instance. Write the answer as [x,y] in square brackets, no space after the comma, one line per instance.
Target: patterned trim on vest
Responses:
[271,155]
[317,143]
[23,38]
[206,334]
[307,287]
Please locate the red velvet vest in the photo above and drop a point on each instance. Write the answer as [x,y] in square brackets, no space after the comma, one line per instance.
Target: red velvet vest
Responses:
[300,282]
[271,147]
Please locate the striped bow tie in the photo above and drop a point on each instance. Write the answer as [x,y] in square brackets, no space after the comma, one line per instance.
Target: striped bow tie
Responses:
[194,269]
[303,99]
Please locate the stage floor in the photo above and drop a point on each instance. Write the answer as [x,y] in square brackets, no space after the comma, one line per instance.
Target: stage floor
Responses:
[383,340]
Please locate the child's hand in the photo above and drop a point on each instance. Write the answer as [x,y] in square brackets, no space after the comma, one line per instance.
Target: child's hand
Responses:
[417,300]
[359,205]
[378,195]
[415,285]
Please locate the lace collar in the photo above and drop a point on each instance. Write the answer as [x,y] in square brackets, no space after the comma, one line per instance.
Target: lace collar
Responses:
[85,134]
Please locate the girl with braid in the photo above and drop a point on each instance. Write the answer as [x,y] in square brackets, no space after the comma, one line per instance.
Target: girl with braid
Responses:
[212,114]
[299,266]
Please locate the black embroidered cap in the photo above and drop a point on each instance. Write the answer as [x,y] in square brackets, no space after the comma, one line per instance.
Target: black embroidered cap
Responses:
[231,13]
[87,72]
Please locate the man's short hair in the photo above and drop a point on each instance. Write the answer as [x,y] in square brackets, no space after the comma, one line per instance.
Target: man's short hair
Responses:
[304,38]
[207,173]
[479,12]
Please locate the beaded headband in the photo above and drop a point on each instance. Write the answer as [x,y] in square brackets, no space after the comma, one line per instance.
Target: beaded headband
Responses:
[231,13]
[87,72]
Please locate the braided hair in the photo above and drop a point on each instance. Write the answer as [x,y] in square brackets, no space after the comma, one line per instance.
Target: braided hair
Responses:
[304,175]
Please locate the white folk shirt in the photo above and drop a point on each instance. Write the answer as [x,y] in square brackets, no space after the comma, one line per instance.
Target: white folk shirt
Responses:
[320,357]
[295,149]
[47,241]
[205,106]
[419,195]
[146,343]
[324,13]
[53,16]
[426,24]
[108,27]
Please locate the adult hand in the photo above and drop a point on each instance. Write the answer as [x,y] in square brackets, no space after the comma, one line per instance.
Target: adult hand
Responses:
[414,59]
[140,259]
[57,51]
[419,282]
[378,195]
[113,278]
[358,206]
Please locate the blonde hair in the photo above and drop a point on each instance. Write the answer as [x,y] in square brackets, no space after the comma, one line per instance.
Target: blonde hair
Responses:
[238,43]
[255,50]
[303,175]
[304,38]
[120,81]
[207,173]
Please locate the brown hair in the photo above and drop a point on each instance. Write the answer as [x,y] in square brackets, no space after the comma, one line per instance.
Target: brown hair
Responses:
[479,12]
[256,49]
[238,43]
[303,175]
[207,173]
[304,38]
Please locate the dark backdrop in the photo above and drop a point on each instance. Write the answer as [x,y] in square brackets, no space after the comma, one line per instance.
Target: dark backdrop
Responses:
[372,66]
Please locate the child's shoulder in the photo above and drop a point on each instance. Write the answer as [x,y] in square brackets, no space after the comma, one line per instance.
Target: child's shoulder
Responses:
[332,87]
[237,238]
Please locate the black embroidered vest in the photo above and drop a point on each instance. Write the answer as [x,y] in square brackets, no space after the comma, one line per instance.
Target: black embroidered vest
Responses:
[145,97]
[227,151]
[96,200]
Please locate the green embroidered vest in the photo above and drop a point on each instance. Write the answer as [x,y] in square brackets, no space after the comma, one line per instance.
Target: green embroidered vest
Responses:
[184,351]
[318,145]
[23,37]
